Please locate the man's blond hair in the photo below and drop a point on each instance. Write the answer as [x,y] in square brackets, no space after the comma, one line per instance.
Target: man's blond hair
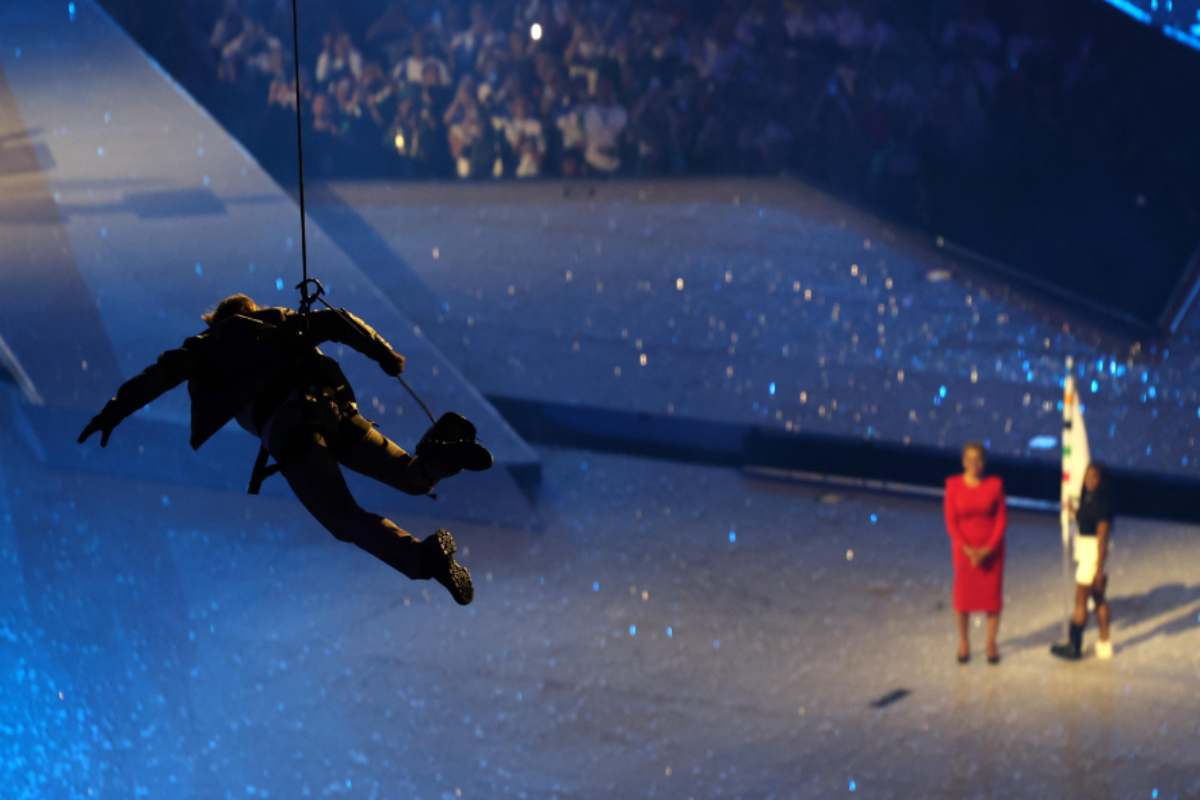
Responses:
[234,304]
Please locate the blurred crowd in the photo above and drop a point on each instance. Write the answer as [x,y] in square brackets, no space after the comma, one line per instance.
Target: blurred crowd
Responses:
[898,103]
[508,89]
[582,87]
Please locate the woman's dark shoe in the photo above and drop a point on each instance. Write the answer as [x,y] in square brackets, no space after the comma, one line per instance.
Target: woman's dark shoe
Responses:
[438,560]
[994,659]
[963,659]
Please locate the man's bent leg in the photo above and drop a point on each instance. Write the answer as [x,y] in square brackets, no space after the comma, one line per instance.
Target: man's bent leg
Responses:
[368,452]
[312,472]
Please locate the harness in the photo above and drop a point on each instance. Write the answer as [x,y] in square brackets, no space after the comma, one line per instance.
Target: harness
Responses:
[313,373]
[261,470]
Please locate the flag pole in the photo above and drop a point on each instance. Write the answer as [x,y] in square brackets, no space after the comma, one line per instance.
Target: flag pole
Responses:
[1065,499]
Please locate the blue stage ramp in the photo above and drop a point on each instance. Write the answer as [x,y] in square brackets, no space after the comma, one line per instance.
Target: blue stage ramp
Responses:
[125,212]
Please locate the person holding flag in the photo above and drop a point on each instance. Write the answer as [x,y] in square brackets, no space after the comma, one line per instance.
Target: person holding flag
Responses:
[1086,509]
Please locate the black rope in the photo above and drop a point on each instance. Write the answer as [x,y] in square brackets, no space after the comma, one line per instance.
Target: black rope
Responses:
[299,143]
[311,290]
[412,393]
[317,298]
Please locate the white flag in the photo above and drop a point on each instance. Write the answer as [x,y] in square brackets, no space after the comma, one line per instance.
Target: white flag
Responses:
[1075,453]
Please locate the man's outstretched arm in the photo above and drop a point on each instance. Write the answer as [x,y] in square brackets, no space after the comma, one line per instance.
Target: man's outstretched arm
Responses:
[345,328]
[171,369]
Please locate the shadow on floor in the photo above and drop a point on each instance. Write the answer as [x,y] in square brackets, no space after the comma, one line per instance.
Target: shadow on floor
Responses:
[1129,611]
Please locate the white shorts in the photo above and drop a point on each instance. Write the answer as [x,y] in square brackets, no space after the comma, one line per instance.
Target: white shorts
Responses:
[1087,557]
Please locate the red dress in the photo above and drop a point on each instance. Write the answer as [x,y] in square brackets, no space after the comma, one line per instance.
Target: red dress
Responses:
[975,516]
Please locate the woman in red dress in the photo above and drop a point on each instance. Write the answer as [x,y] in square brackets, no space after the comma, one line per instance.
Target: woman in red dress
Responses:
[975,522]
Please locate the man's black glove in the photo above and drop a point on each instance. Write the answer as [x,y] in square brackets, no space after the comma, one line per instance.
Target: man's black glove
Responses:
[393,365]
[104,422]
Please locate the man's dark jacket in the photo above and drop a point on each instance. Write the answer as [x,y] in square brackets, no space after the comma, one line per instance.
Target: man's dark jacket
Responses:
[251,361]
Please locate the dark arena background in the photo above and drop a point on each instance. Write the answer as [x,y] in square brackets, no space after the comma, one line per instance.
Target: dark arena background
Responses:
[725,288]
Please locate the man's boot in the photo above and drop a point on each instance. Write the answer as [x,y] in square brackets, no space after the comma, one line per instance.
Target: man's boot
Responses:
[449,446]
[1071,650]
[437,561]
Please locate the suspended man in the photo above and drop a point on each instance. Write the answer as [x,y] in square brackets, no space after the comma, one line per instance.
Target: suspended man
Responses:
[264,368]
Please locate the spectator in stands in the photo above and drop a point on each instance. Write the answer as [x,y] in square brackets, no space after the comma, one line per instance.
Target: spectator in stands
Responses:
[264,55]
[415,67]
[339,58]
[464,95]
[325,116]
[227,27]
[651,130]
[252,48]
[346,97]
[464,127]
[376,94]
[517,58]
[604,121]
[525,139]
[569,123]
[586,48]
[404,134]
[466,44]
